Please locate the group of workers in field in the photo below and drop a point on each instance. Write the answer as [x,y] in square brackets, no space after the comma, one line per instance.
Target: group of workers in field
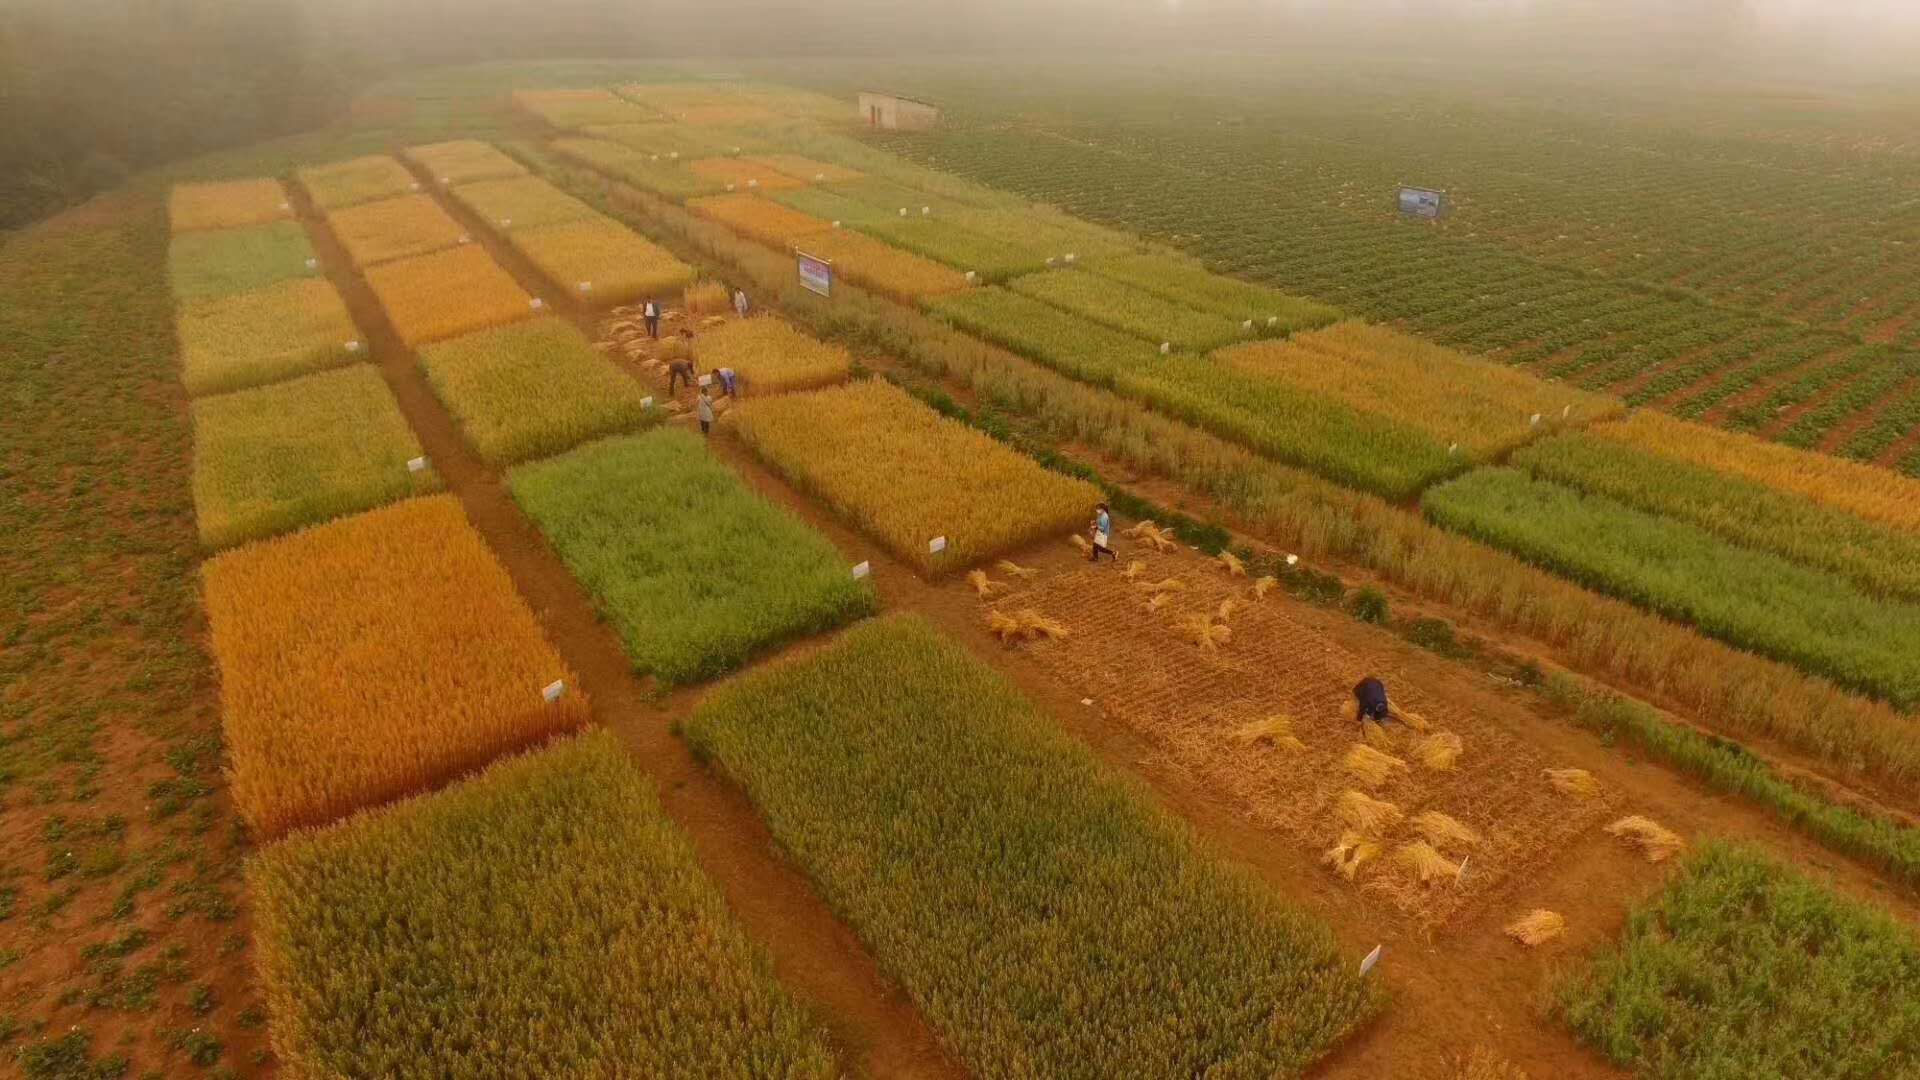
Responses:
[1369,694]
[683,366]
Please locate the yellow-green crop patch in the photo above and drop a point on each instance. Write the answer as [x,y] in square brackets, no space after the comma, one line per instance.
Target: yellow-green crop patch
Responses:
[361,179]
[771,357]
[807,170]
[601,261]
[464,161]
[544,918]
[251,338]
[942,241]
[226,204]
[656,172]
[758,219]
[530,389]
[526,202]
[572,109]
[447,294]
[1123,307]
[1271,311]
[274,458]
[222,262]
[389,229]
[1043,917]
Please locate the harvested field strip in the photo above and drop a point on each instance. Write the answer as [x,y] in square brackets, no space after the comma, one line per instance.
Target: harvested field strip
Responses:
[1751,599]
[401,228]
[1877,558]
[1872,493]
[272,459]
[905,475]
[447,294]
[554,892]
[223,262]
[371,658]
[1136,311]
[269,334]
[1483,408]
[695,570]
[349,183]
[226,204]
[882,268]
[655,173]
[944,242]
[1740,967]
[523,202]
[569,109]
[771,357]
[1033,908]
[1210,710]
[1265,415]
[756,218]
[463,161]
[530,389]
[1192,285]
[743,174]
[601,262]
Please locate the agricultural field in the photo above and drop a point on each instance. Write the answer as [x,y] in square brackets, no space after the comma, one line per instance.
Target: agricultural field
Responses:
[399,228]
[1140,313]
[1191,285]
[275,458]
[357,919]
[227,204]
[696,571]
[939,813]
[267,334]
[882,268]
[223,262]
[907,475]
[771,357]
[447,294]
[658,173]
[573,109]
[942,241]
[530,389]
[600,261]
[464,161]
[768,222]
[525,202]
[807,170]
[350,183]
[742,174]
[371,658]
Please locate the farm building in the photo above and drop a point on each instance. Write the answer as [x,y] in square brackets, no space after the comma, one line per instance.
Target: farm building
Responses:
[896,113]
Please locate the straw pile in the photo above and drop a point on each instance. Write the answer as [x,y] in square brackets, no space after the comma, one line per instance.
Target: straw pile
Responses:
[1275,731]
[1657,842]
[1484,1064]
[1426,863]
[1163,585]
[1439,751]
[1578,783]
[983,585]
[1134,570]
[1446,832]
[1024,625]
[1264,585]
[1537,927]
[1346,856]
[1204,632]
[1365,814]
[1231,564]
[1014,569]
[1373,767]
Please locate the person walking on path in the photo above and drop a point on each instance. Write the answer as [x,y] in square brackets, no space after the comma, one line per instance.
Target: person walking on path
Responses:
[652,314]
[740,302]
[706,412]
[729,382]
[1102,535]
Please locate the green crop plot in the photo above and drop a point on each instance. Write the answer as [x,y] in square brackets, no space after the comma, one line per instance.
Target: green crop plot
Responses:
[695,570]
[272,333]
[530,389]
[1752,599]
[942,241]
[222,262]
[1045,920]
[1181,282]
[274,458]
[464,161]
[542,919]
[1135,311]
[1744,967]
[349,183]
[658,173]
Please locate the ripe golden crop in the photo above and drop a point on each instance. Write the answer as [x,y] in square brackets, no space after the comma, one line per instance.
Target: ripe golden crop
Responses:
[464,161]
[882,268]
[371,658]
[754,217]
[389,229]
[601,261]
[806,169]
[771,357]
[226,204]
[905,474]
[277,457]
[361,179]
[273,333]
[522,202]
[447,294]
[744,173]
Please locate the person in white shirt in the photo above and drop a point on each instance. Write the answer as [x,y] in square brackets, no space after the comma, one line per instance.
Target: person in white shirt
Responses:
[740,302]
[652,314]
[706,411]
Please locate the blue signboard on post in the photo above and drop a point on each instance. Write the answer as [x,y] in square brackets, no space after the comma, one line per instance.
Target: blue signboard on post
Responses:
[816,275]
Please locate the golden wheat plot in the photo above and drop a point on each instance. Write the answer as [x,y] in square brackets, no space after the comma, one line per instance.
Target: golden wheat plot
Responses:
[600,261]
[362,179]
[463,161]
[907,475]
[883,268]
[272,333]
[771,357]
[808,170]
[744,174]
[447,294]
[389,229]
[226,204]
[756,218]
[374,657]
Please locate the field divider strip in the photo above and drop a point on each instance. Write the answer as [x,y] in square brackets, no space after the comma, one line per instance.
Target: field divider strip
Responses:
[812,950]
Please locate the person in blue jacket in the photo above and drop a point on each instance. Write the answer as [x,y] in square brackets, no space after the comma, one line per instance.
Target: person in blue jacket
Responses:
[1102,535]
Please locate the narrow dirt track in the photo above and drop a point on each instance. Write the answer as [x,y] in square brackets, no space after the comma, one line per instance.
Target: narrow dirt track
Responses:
[813,952]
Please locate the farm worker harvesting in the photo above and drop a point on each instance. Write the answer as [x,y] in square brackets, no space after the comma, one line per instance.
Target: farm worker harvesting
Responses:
[1102,535]
[729,382]
[740,302]
[682,368]
[1370,701]
[706,411]
[652,314]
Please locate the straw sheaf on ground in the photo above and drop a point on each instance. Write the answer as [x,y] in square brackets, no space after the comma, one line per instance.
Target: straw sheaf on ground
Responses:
[905,474]
[600,261]
[274,458]
[1211,712]
[530,389]
[935,809]
[363,179]
[371,658]
[269,334]
[447,294]
[771,357]
[555,894]
[463,161]
[398,228]
[226,204]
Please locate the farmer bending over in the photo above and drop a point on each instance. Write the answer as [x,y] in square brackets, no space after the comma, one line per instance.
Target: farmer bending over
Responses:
[1370,700]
